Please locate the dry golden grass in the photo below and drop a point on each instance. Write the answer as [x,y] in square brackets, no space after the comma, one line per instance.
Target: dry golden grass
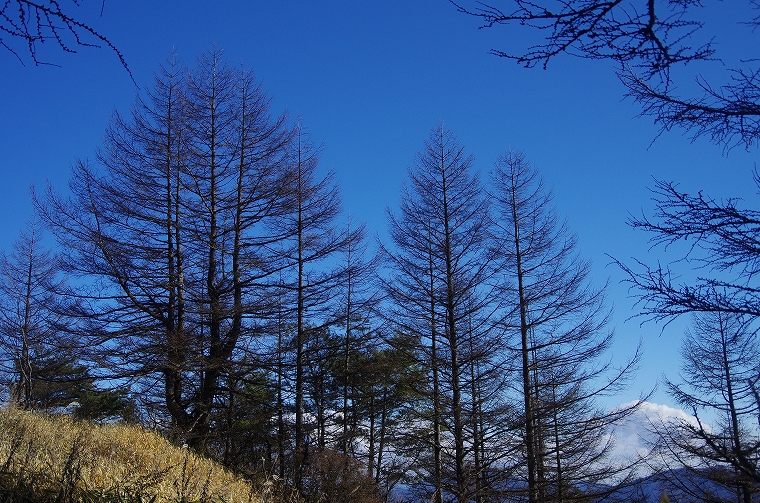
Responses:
[56,451]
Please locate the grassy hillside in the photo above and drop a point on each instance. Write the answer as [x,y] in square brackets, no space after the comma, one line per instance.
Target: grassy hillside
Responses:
[56,459]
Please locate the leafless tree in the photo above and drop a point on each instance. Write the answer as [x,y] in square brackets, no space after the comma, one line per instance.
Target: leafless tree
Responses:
[312,243]
[439,270]
[717,384]
[358,308]
[713,247]
[647,39]
[122,230]
[169,237]
[562,339]
[236,172]
[33,325]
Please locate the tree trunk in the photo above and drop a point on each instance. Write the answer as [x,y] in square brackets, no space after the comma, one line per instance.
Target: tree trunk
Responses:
[525,352]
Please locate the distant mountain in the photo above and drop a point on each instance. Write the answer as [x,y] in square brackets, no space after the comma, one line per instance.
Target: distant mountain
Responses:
[682,486]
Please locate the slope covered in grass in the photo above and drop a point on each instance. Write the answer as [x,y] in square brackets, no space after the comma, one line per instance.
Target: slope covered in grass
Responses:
[56,459]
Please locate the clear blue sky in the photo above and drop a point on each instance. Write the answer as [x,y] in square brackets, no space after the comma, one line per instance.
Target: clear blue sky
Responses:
[369,79]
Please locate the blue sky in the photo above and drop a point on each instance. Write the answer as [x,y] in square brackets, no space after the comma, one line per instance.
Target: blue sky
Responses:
[369,80]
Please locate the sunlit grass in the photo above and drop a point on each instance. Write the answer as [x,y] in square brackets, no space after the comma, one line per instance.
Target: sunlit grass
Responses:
[54,458]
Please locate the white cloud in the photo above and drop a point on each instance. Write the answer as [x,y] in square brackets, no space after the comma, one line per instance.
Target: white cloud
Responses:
[634,437]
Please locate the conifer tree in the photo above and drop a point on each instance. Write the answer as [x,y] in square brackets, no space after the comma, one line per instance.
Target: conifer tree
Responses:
[312,243]
[33,325]
[559,322]
[168,235]
[438,270]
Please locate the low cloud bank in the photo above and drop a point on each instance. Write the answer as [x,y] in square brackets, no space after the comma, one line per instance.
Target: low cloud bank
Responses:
[634,436]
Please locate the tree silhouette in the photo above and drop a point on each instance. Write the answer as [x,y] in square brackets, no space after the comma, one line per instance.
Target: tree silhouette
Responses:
[562,341]
[438,271]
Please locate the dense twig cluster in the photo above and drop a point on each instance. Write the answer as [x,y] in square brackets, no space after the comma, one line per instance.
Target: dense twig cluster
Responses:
[647,35]
[646,38]
[33,23]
